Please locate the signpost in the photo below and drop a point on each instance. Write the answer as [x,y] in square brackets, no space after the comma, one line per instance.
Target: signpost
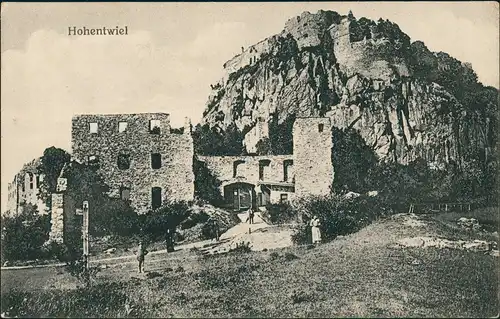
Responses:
[85,232]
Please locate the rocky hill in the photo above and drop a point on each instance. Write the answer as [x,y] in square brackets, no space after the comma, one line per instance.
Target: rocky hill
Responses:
[405,100]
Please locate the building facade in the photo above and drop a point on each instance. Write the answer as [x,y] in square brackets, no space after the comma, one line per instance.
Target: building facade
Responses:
[138,155]
[144,161]
[24,189]
[255,181]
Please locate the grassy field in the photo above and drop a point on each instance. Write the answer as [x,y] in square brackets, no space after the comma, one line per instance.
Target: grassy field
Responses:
[360,275]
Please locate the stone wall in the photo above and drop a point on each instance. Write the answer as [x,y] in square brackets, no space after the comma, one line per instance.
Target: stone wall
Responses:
[312,147]
[307,29]
[249,56]
[372,58]
[64,220]
[57,218]
[175,176]
[24,189]
[248,170]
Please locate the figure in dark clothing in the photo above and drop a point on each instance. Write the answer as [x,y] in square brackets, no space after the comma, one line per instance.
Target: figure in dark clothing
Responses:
[251,214]
[214,228]
[170,240]
[141,253]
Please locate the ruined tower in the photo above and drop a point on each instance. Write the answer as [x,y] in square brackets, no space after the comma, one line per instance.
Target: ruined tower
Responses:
[312,152]
[141,159]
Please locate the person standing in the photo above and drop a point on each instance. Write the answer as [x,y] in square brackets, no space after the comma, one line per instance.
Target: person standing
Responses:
[141,253]
[251,214]
[170,240]
[215,227]
[315,231]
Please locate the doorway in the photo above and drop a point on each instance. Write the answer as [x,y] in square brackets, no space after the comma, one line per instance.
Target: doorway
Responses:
[240,196]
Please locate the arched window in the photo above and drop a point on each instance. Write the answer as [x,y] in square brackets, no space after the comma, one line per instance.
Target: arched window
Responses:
[32,180]
[263,167]
[238,168]
[287,170]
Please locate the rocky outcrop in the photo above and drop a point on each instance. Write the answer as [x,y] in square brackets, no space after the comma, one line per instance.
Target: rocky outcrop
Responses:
[362,74]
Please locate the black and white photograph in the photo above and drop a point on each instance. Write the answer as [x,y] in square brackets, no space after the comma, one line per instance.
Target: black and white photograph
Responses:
[250,159]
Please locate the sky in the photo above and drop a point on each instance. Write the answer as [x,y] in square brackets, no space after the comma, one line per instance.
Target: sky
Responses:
[171,55]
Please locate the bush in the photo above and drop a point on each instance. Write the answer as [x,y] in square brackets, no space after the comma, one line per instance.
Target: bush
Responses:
[155,223]
[113,217]
[194,219]
[208,232]
[24,235]
[206,184]
[278,213]
[340,216]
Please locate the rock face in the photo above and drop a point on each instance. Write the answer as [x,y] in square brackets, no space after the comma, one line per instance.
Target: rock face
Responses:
[362,74]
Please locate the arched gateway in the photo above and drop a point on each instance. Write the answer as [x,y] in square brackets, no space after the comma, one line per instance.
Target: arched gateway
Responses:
[240,195]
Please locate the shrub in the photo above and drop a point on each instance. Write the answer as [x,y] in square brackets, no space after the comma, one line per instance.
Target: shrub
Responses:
[274,255]
[24,235]
[206,184]
[340,216]
[207,231]
[302,234]
[113,217]
[300,296]
[194,219]
[279,213]
[155,223]
[290,256]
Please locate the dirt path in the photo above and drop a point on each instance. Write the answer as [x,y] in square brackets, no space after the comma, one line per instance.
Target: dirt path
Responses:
[260,235]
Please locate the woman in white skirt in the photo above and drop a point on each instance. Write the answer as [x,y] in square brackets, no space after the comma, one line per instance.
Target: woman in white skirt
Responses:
[315,232]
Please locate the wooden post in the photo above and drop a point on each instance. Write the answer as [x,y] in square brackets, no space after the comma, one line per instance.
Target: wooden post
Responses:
[85,232]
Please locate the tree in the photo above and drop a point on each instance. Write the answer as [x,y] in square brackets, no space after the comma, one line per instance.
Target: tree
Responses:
[23,235]
[352,159]
[107,216]
[281,135]
[206,184]
[52,162]
[263,146]
[214,142]
[85,183]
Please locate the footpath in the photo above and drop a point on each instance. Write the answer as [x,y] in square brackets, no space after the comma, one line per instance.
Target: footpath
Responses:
[258,235]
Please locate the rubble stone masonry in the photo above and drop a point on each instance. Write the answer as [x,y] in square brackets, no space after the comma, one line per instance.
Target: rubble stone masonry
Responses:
[312,151]
[132,139]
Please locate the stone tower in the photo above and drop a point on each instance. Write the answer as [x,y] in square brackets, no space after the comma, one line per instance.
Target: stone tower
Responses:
[312,149]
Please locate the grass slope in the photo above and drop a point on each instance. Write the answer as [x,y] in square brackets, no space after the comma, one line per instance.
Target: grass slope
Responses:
[360,275]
